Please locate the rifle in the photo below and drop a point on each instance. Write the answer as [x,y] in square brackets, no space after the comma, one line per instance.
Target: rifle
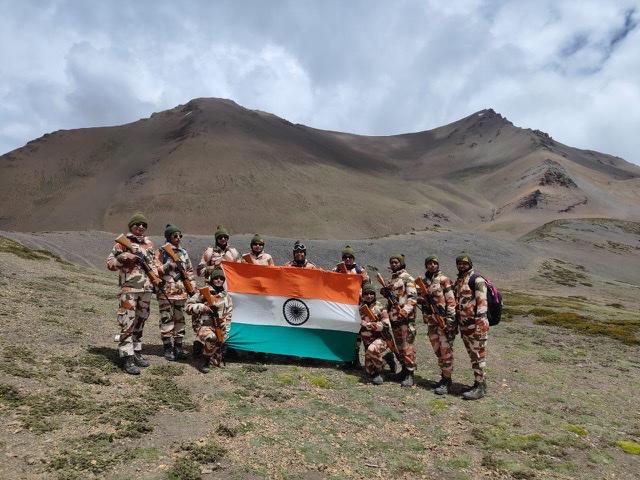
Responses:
[341,268]
[188,284]
[391,342]
[439,318]
[217,321]
[247,258]
[393,300]
[155,280]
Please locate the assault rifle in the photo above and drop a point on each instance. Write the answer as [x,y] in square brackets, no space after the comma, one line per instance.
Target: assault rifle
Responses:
[217,321]
[387,332]
[388,294]
[141,260]
[188,284]
[435,311]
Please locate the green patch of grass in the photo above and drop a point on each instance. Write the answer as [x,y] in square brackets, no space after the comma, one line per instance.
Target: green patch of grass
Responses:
[204,452]
[254,368]
[166,370]
[458,463]
[165,391]
[10,246]
[20,353]
[10,396]
[406,464]
[319,381]
[562,273]
[93,454]
[286,379]
[628,446]
[437,405]
[184,469]
[145,453]
[130,419]
[499,438]
[623,331]
[577,429]
[90,377]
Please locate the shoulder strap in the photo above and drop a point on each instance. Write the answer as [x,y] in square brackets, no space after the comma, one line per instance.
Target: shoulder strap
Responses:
[472,282]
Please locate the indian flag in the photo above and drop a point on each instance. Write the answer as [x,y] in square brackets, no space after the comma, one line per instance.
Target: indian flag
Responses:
[293,311]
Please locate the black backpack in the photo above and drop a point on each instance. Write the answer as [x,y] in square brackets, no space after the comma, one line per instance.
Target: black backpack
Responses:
[494,299]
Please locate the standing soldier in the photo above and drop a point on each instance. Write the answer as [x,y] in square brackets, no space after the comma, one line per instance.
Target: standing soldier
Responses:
[374,322]
[175,269]
[213,255]
[300,257]
[133,263]
[471,313]
[349,265]
[210,309]
[401,294]
[257,256]
[438,312]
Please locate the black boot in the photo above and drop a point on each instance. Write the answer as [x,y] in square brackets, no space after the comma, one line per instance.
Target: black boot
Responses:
[443,386]
[168,352]
[139,360]
[197,349]
[376,379]
[129,366]
[408,380]
[178,352]
[206,365]
[398,377]
[478,391]
[390,358]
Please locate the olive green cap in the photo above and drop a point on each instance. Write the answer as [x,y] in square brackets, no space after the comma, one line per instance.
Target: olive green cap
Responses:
[464,257]
[221,230]
[169,230]
[368,287]
[256,239]
[431,258]
[137,217]
[348,250]
[218,272]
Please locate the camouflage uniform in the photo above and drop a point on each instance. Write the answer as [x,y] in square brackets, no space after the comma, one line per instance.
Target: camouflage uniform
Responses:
[204,325]
[262,259]
[212,258]
[403,319]
[471,314]
[172,324]
[375,344]
[135,294]
[355,270]
[439,310]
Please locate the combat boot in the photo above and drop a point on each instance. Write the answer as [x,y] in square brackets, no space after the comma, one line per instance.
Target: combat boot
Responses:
[376,379]
[206,365]
[139,360]
[397,377]
[478,391]
[129,365]
[178,352]
[443,386]
[196,351]
[168,352]
[390,358]
[408,380]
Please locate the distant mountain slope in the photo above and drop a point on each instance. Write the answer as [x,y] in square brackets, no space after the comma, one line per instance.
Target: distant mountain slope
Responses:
[212,161]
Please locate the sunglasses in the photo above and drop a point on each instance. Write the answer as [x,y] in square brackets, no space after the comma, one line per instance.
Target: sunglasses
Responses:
[218,278]
[143,225]
[223,237]
[345,257]
[176,235]
[299,248]
[259,244]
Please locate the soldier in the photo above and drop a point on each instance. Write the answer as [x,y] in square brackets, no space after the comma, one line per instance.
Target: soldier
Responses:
[213,255]
[438,312]
[257,256]
[300,257]
[471,314]
[178,278]
[135,292]
[211,322]
[349,265]
[371,332]
[401,294]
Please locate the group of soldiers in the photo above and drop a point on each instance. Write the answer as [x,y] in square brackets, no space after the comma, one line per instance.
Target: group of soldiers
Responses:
[388,329]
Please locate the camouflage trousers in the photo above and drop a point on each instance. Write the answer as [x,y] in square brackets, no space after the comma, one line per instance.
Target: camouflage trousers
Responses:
[404,334]
[171,320]
[374,356]
[132,314]
[212,348]
[443,348]
[474,335]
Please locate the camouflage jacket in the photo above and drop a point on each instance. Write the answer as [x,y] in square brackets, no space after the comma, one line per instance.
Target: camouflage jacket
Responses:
[356,270]
[132,278]
[369,330]
[307,264]
[403,286]
[213,256]
[174,285]
[470,307]
[262,259]
[195,306]
[440,302]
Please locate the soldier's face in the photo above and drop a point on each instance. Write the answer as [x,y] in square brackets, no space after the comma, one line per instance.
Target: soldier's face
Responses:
[138,229]
[463,267]
[299,255]
[394,263]
[348,260]
[257,248]
[217,282]
[175,239]
[222,240]
[369,297]
[432,267]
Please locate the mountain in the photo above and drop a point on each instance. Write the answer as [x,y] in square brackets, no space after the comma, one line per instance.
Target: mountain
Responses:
[212,161]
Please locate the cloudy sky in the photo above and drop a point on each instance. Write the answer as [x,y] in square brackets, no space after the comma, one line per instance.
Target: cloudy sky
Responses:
[570,68]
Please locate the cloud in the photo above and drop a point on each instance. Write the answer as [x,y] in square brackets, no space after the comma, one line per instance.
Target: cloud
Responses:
[567,67]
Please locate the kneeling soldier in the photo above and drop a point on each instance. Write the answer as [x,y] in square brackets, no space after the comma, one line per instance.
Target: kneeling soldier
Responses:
[211,309]
[438,312]
[175,269]
[374,321]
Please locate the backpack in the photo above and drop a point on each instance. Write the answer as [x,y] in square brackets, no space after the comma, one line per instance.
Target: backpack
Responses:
[494,299]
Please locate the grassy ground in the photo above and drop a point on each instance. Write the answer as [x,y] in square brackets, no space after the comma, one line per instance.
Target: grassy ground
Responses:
[564,373]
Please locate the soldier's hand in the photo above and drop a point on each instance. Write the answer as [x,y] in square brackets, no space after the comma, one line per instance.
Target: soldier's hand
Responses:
[127,257]
[206,309]
[135,248]
[421,300]
[169,265]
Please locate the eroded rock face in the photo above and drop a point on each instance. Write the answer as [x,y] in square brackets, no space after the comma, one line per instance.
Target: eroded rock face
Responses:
[533,200]
[556,175]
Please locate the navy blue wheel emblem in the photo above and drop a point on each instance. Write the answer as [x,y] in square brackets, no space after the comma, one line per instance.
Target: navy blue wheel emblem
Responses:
[295,311]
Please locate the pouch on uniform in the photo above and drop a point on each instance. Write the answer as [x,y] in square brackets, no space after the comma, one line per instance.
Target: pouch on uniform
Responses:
[494,299]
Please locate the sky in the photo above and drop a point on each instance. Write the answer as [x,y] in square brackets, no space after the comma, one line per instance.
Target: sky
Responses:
[372,67]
